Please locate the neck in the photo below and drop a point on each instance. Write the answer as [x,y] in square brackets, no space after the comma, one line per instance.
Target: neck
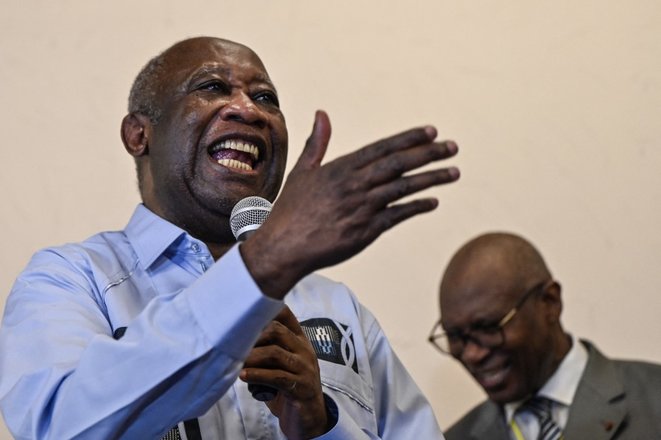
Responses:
[218,249]
[563,346]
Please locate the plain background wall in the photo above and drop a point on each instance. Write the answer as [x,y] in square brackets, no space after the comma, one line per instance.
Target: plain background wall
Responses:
[555,106]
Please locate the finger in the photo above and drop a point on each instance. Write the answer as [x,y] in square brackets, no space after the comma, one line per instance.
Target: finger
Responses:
[280,379]
[395,214]
[317,144]
[386,194]
[385,147]
[272,377]
[277,333]
[272,357]
[274,367]
[287,318]
[394,165]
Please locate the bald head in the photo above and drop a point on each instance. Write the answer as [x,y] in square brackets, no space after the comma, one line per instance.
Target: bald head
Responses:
[505,259]
[498,283]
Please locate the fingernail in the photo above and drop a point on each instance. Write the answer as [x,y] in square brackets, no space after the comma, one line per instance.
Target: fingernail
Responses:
[451,146]
[430,130]
[454,172]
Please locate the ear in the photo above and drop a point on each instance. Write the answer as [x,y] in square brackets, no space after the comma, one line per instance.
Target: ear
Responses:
[553,299]
[135,134]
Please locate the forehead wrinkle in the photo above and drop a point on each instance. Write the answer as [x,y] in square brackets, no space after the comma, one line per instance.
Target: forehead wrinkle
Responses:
[210,68]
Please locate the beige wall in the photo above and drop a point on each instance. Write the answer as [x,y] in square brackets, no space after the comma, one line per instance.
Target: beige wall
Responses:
[555,105]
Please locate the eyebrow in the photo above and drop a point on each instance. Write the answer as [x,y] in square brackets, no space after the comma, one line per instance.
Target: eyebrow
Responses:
[480,322]
[214,68]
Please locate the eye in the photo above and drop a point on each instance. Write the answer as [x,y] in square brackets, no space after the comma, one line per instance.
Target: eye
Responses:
[214,85]
[267,97]
[454,336]
[488,329]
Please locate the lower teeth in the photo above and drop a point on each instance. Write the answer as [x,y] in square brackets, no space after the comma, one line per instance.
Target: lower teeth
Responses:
[233,163]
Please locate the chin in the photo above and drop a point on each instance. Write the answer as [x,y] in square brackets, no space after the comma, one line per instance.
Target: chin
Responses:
[507,395]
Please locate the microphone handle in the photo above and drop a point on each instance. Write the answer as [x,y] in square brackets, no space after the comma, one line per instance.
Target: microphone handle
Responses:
[263,393]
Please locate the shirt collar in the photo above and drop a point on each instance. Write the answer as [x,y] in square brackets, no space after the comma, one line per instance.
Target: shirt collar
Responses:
[561,386]
[150,235]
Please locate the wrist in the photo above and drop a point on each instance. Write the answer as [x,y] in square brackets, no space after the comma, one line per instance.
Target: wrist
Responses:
[325,424]
[331,413]
[274,276]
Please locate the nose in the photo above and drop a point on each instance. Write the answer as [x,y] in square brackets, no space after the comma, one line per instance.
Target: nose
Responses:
[473,353]
[240,107]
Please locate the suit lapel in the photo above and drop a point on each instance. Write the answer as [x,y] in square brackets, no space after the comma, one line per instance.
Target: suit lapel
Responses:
[491,425]
[599,407]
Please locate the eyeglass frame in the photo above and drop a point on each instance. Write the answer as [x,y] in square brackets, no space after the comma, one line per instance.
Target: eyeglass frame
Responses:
[464,337]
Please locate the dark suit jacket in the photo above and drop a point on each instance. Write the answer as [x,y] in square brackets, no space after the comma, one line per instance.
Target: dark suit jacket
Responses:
[615,399]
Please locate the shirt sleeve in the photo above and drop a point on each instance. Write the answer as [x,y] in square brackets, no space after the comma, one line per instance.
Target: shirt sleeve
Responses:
[62,375]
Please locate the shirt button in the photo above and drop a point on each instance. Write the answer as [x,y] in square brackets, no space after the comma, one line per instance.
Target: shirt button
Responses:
[195,247]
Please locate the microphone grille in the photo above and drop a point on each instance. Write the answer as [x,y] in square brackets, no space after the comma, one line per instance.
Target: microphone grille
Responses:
[249,214]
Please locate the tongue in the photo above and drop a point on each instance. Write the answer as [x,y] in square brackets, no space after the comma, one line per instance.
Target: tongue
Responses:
[233,154]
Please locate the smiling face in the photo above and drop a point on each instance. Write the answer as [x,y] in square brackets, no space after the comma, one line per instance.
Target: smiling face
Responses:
[481,285]
[220,136]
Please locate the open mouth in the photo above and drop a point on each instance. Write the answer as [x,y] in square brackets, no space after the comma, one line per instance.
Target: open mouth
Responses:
[235,153]
[493,377]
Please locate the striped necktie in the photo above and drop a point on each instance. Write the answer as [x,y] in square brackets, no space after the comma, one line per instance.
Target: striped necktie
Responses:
[541,408]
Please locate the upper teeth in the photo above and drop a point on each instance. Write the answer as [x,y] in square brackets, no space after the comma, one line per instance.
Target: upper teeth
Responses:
[238,145]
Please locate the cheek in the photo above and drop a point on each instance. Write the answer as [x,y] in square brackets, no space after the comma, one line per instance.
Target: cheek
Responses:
[531,354]
[278,128]
[192,118]
[186,118]
[280,139]
[198,112]
[522,346]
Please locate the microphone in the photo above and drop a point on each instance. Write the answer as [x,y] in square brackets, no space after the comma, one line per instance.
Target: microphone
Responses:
[248,215]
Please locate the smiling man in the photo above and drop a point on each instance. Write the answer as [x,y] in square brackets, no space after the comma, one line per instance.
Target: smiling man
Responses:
[501,319]
[155,330]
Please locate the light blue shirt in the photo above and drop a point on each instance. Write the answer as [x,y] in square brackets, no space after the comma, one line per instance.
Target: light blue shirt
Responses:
[189,323]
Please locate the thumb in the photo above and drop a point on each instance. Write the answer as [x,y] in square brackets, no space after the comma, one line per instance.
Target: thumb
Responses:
[316,145]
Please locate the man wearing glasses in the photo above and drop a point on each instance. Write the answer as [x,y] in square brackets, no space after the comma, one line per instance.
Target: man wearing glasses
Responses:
[501,319]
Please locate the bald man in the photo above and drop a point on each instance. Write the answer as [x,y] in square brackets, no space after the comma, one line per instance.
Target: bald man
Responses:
[500,319]
[156,330]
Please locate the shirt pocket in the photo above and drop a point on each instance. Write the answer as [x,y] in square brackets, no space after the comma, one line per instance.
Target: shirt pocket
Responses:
[352,394]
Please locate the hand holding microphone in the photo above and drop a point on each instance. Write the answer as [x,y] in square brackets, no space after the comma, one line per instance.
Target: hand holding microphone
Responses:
[284,357]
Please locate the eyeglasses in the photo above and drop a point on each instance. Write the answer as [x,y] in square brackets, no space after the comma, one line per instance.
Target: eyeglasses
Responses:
[489,336]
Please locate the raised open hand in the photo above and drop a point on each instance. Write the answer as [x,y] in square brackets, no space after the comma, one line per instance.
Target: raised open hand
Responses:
[327,213]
